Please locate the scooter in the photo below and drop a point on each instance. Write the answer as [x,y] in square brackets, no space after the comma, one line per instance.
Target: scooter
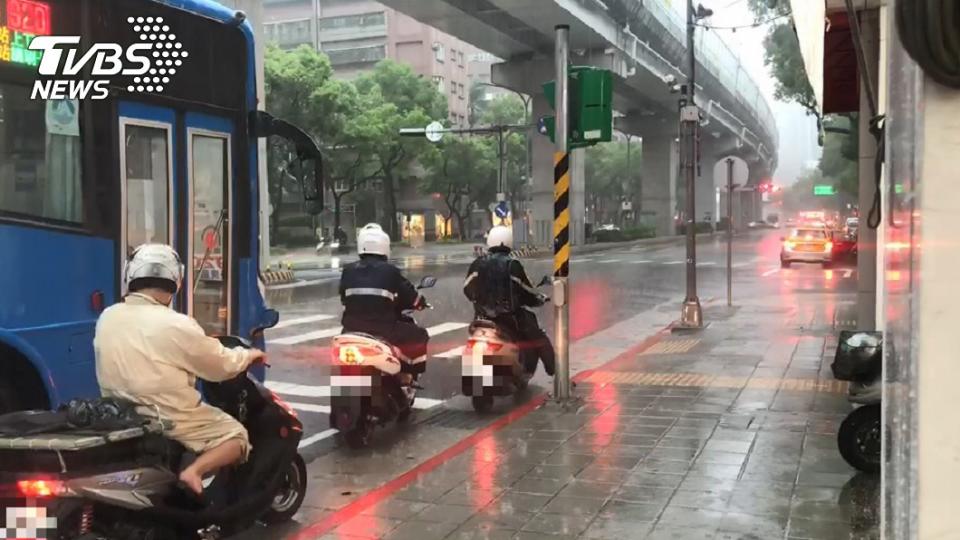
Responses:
[365,386]
[123,484]
[859,360]
[494,364]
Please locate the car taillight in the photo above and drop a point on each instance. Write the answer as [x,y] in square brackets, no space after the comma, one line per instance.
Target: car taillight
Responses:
[789,244]
[38,489]
[828,246]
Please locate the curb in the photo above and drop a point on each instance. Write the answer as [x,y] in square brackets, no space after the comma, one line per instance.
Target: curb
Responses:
[277,277]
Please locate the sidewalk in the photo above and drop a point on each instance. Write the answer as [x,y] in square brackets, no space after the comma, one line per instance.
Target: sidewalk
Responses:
[729,434]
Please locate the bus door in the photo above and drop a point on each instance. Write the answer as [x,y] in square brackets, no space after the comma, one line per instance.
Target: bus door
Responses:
[209,215]
[147,177]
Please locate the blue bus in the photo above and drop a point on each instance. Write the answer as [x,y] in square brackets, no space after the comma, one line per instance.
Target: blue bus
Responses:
[167,154]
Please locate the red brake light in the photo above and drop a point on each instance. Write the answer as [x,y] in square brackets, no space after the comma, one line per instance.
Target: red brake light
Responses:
[486,345]
[37,489]
[828,246]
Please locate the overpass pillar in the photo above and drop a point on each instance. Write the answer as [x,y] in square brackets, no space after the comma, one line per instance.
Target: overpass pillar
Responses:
[541,188]
[660,166]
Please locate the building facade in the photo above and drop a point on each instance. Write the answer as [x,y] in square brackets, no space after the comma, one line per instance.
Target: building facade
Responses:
[356,34]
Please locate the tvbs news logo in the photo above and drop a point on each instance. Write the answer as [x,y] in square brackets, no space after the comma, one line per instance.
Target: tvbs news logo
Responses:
[149,64]
[28,524]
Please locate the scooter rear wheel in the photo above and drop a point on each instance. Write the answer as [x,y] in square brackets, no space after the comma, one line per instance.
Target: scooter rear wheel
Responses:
[293,488]
[482,404]
[859,438]
[359,436]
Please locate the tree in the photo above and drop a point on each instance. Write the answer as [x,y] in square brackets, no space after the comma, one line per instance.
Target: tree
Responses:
[462,172]
[838,162]
[605,174]
[292,79]
[411,101]
[782,54]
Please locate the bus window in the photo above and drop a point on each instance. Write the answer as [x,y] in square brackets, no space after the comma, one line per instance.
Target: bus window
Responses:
[39,156]
[146,184]
[209,181]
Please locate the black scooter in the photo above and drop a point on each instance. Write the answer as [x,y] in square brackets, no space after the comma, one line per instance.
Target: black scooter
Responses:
[859,360]
[123,484]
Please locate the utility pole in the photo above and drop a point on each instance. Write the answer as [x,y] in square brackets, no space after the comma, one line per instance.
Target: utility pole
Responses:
[729,163]
[691,316]
[561,217]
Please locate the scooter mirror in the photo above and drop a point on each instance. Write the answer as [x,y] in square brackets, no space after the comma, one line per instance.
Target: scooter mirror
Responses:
[544,282]
[270,319]
[427,282]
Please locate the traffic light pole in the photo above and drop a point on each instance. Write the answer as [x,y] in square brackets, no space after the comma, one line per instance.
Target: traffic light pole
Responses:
[561,219]
[691,315]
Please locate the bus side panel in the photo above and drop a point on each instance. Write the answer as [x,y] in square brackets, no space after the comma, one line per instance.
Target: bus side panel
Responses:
[52,308]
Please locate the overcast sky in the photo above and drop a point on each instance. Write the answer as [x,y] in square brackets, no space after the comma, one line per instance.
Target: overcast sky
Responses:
[798,137]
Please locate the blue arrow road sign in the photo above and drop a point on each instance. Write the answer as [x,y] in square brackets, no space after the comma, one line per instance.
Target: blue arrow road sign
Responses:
[502,210]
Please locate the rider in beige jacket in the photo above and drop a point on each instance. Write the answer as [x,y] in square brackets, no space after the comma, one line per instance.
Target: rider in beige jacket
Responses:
[153,355]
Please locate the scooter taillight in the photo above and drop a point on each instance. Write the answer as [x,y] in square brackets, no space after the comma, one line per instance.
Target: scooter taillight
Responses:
[486,346]
[39,489]
[353,354]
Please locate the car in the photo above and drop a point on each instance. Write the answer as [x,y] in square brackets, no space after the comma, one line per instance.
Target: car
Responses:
[845,245]
[808,245]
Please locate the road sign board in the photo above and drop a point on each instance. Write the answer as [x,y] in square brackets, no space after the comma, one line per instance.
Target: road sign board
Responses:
[502,209]
[740,171]
[434,132]
[823,190]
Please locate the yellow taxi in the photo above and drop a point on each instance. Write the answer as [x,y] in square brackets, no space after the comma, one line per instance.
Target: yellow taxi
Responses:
[808,244]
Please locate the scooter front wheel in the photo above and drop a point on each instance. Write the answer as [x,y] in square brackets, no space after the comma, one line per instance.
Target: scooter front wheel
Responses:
[293,488]
[859,438]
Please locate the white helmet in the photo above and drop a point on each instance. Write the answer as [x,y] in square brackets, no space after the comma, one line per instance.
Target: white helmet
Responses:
[158,261]
[371,240]
[500,236]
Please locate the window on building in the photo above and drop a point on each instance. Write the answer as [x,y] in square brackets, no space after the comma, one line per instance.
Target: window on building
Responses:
[453,55]
[438,80]
[39,156]
[289,34]
[461,119]
[438,51]
[362,20]
[460,58]
[453,90]
[356,55]
[463,92]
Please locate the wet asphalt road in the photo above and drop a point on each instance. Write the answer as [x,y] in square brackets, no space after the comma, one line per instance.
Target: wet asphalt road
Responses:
[607,287]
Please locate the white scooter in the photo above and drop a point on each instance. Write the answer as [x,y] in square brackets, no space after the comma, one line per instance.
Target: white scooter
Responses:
[494,364]
[365,386]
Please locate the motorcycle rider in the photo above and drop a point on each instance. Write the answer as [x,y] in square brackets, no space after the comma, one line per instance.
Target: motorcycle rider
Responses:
[374,294]
[152,355]
[501,292]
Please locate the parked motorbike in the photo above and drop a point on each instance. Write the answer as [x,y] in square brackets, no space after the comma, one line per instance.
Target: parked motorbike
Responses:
[123,484]
[859,360]
[365,385]
[494,363]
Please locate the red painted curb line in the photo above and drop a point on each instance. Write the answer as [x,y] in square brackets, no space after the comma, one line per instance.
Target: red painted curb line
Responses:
[379,494]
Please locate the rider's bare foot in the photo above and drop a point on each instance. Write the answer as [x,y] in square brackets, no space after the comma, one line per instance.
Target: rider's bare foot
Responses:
[192,480]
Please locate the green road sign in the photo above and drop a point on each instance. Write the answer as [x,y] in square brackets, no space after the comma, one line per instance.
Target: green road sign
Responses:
[823,190]
[591,106]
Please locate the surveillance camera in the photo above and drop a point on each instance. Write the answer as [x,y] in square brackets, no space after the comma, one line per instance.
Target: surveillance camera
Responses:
[669,79]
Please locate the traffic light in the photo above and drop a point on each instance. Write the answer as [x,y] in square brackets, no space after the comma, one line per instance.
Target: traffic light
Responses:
[590,108]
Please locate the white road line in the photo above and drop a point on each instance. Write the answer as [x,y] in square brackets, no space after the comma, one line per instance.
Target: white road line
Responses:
[309,407]
[770,272]
[302,320]
[847,273]
[708,263]
[581,259]
[452,353]
[309,336]
[317,437]
[674,262]
[609,261]
[644,261]
[293,389]
[446,327]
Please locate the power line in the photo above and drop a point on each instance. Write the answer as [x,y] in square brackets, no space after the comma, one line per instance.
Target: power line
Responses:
[752,25]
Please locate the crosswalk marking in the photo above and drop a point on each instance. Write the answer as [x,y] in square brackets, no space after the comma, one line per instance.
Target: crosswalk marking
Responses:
[674,262]
[317,437]
[642,261]
[770,272]
[445,327]
[302,390]
[420,403]
[708,263]
[302,320]
[309,336]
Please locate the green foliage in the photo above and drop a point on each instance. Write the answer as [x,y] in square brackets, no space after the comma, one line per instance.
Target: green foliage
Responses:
[839,159]
[782,54]
[611,176]
[462,172]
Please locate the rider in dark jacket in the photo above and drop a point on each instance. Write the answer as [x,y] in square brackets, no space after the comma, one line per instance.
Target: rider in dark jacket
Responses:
[375,294]
[501,292]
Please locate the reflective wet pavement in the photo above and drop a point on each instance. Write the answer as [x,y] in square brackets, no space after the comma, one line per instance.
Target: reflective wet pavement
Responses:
[729,433]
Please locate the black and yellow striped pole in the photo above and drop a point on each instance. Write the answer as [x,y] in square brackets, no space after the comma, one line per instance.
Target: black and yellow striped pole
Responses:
[561,218]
